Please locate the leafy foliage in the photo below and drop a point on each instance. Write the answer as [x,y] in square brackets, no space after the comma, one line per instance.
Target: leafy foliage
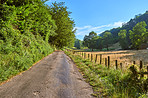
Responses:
[122,39]
[20,52]
[93,41]
[107,39]
[65,34]
[133,33]
[78,44]
[138,35]
[27,28]
[128,26]
[90,40]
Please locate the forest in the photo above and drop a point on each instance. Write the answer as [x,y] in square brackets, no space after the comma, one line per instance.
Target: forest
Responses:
[132,35]
[31,30]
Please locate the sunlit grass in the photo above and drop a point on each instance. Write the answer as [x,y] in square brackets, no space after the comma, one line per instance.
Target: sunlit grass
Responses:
[110,82]
[19,53]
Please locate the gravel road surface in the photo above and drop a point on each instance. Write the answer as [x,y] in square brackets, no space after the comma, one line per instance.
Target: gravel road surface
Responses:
[53,77]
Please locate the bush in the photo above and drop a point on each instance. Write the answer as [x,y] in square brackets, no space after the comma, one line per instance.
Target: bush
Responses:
[20,52]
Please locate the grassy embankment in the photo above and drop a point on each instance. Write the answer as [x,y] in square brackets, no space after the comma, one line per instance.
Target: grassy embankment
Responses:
[110,82]
[25,28]
[19,51]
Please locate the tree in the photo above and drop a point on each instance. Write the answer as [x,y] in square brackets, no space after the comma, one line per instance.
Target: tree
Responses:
[18,3]
[90,40]
[86,41]
[77,44]
[107,39]
[122,39]
[27,16]
[99,43]
[138,35]
[93,43]
[65,34]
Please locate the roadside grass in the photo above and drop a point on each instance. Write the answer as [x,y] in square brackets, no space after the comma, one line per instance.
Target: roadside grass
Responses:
[126,57]
[19,53]
[110,82]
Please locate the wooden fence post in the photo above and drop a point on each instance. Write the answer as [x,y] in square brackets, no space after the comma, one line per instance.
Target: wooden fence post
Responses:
[96,58]
[116,64]
[141,65]
[88,56]
[108,61]
[134,62]
[121,66]
[84,55]
[91,57]
[100,58]
[147,71]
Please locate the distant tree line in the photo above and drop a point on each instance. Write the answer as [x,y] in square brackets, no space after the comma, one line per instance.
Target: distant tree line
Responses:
[132,35]
[138,36]
[93,41]
[128,26]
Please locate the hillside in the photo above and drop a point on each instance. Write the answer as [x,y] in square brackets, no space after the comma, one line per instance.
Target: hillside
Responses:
[129,25]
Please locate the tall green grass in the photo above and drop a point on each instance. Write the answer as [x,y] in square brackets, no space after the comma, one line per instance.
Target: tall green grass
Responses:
[110,82]
[19,51]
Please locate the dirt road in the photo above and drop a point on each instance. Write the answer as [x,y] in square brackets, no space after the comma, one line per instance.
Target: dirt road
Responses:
[53,77]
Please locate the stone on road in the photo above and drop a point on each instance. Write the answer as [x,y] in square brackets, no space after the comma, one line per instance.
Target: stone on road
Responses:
[54,77]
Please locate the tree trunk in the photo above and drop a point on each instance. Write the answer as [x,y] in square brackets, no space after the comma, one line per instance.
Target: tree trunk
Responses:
[92,49]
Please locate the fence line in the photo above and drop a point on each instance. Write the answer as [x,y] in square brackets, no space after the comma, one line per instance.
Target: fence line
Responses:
[107,61]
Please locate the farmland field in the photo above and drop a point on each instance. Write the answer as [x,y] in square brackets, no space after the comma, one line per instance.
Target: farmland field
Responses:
[126,57]
[125,83]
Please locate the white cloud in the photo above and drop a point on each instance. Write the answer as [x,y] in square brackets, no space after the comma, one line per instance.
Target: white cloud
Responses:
[82,28]
[50,1]
[118,24]
[82,31]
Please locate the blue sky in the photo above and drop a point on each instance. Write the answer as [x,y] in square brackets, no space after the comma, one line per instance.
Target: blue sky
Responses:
[101,15]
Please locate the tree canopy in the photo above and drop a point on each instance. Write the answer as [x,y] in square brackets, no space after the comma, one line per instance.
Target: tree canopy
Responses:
[138,35]
[90,40]
[107,39]
[128,26]
[122,39]
[78,44]
[93,41]
[64,33]
[27,30]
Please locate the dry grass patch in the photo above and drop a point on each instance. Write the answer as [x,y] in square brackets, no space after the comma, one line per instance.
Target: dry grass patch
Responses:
[126,57]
